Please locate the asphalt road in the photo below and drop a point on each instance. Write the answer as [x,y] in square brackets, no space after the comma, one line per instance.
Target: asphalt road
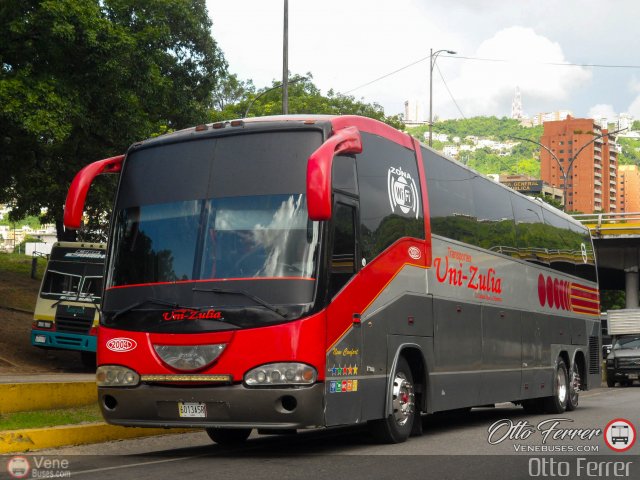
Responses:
[452,446]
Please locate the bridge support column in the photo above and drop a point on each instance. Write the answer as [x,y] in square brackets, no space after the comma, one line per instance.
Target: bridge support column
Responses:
[631,284]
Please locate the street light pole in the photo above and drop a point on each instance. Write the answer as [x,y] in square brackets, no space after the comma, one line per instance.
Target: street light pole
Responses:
[281,85]
[285,60]
[432,63]
[565,173]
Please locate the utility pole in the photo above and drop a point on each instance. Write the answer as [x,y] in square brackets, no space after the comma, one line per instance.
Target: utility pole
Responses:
[432,63]
[285,61]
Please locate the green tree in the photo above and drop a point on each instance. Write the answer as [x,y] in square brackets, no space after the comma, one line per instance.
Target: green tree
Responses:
[523,158]
[304,97]
[612,300]
[83,79]
[630,154]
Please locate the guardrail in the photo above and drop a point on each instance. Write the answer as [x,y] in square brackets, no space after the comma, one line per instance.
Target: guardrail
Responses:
[611,224]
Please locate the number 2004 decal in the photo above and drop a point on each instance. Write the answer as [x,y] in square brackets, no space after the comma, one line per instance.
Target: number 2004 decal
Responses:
[121,344]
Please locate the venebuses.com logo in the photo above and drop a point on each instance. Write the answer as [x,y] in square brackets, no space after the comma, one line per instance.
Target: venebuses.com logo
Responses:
[558,435]
[541,435]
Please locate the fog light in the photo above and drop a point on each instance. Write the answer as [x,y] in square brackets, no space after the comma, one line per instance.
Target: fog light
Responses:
[116,376]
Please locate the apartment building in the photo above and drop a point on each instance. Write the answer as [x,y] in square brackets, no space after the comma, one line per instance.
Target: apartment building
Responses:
[628,188]
[592,155]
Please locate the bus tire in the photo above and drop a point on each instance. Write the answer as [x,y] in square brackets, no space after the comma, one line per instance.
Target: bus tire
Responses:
[88,360]
[611,383]
[228,437]
[397,427]
[557,403]
[575,382]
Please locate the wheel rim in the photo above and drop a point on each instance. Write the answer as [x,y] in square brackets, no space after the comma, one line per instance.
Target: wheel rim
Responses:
[561,384]
[575,384]
[403,399]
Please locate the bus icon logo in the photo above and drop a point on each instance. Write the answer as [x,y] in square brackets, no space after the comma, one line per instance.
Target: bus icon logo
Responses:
[18,467]
[620,435]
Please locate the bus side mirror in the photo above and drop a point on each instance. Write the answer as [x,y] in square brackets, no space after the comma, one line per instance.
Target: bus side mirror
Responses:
[77,194]
[319,165]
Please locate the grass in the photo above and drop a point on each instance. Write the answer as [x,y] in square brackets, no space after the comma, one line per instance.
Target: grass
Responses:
[20,264]
[50,418]
[17,288]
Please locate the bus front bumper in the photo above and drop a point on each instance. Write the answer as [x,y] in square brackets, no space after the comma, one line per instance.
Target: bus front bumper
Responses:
[231,406]
[64,341]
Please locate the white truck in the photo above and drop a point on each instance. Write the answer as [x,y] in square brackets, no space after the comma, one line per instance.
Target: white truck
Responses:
[623,362]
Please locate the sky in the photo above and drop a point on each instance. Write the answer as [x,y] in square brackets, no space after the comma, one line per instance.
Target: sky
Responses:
[347,45]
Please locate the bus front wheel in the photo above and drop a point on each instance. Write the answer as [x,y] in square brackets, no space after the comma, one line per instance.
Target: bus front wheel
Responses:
[228,436]
[397,427]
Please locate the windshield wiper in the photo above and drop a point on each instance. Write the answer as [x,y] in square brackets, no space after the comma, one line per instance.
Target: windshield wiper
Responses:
[157,301]
[256,299]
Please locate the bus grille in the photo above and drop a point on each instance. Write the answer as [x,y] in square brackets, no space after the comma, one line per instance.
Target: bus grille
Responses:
[74,319]
[632,363]
[594,356]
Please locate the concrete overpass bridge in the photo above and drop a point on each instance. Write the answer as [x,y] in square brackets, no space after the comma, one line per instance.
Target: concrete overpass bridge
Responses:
[616,239]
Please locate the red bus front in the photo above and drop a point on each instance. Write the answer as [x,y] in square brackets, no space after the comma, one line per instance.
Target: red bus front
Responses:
[212,314]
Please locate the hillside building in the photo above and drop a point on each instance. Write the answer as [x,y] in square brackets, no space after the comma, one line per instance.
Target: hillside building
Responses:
[628,188]
[592,180]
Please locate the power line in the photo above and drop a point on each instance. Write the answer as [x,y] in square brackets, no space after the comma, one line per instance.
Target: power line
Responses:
[387,75]
[555,64]
[494,60]
[450,94]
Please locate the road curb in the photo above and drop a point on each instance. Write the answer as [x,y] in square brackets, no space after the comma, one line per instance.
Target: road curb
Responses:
[22,397]
[14,441]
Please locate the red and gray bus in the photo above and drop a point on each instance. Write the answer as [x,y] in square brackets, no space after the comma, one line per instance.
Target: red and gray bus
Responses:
[285,273]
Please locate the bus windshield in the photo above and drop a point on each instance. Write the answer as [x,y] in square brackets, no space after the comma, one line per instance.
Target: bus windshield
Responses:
[72,281]
[221,213]
[261,236]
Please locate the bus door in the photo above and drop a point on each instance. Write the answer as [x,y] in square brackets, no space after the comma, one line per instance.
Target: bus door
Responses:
[342,386]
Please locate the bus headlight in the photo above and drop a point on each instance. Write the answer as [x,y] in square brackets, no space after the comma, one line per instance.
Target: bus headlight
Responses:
[189,357]
[279,374]
[116,376]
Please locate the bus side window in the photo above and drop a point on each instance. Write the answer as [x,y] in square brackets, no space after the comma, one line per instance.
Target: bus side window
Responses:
[343,255]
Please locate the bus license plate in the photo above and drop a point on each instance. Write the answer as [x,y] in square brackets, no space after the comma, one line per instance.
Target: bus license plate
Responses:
[192,410]
[633,376]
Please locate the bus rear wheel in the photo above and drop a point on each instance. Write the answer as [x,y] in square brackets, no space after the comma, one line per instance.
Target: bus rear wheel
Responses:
[557,403]
[397,427]
[575,382]
[228,437]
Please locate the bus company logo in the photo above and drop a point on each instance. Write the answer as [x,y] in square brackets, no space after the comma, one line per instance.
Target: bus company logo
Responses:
[191,314]
[554,293]
[121,344]
[403,193]
[467,275]
[620,435]
[18,467]
[415,253]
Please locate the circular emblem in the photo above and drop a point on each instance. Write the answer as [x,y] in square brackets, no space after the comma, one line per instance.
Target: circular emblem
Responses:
[620,435]
[121,344]
[18,467]
[415,253]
